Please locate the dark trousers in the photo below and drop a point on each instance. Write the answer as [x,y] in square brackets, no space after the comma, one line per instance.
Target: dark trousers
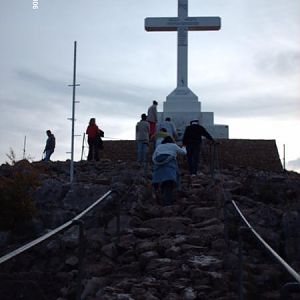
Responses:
[93,150]
[193,154]
[167,192]
[166,188]
[48,154]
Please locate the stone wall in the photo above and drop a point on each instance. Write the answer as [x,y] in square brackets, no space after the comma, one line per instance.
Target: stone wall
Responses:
[258,154]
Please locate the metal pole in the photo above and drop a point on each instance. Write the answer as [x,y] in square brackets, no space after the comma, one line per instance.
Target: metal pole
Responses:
[225,214]
[217,162]
[284,157]
[24,148]
[118,219]
[214,160]
[81,253]
[73,114]
[240,285]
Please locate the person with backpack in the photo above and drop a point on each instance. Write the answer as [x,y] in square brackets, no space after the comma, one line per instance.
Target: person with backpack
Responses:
[94,140]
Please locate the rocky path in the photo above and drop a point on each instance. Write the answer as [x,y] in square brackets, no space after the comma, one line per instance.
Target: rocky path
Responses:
[173,252]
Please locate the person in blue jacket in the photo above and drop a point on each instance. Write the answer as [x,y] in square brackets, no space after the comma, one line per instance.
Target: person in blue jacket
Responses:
[166,175]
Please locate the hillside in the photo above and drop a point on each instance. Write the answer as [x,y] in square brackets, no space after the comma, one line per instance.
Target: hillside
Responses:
[174,252]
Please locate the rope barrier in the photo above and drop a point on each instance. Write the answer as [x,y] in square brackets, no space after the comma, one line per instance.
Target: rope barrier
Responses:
[81,238]
[214,165]
[278,258]
[287,288]
[52,232]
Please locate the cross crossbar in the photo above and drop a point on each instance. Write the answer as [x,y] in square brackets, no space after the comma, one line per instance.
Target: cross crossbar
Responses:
[189,23]
[182,24]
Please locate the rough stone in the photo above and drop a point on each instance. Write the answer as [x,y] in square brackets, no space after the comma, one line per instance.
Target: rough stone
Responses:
[110,250]
[144,232]
[165,225]
[175,252]
[72,261]
[189,294]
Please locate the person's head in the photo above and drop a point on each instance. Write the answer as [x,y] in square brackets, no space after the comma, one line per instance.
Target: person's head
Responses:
[194,122]
[144,117]
[167,140]
[168,119]
[155,102]
[92,121]
[163,130]
[48,132]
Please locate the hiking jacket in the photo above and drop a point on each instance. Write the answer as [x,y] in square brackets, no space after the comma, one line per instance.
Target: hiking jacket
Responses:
[142,131]
[165,166]
[193,134]
[92,131]
[152,114]
[50,143]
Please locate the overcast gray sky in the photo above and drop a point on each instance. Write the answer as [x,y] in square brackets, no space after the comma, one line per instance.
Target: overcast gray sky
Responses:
[248,73]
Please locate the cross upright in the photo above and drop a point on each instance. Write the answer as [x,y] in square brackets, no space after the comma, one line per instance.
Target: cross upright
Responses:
[182,24]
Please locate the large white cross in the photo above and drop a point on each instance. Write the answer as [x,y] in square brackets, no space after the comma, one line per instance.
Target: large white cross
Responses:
[182,24]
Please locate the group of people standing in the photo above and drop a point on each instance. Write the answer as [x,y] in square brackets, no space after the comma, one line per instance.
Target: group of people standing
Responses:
[95,142]
[148,130]
[163,135]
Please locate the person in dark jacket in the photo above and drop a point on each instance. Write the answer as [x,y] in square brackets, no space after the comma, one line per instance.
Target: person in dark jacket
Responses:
[94,140]
[192,139]
[50,145]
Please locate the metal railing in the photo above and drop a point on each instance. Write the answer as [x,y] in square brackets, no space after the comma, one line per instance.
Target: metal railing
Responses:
[214,158]
[81,237]
[286,289]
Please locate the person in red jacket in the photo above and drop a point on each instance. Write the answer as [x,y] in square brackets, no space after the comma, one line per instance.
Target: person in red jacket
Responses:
[94,140]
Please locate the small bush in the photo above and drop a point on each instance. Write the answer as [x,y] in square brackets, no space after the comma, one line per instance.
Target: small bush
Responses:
[11,155]
[16,201]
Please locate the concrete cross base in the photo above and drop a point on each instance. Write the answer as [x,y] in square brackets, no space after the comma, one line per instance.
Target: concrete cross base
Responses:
[182,119]
[182,100]
[218,131]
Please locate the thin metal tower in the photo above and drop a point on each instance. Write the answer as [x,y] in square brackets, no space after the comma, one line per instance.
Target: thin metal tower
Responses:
[24,148]
[73,114]
[284,157]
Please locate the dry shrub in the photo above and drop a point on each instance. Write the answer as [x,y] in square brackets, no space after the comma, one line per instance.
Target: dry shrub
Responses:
[16,200]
